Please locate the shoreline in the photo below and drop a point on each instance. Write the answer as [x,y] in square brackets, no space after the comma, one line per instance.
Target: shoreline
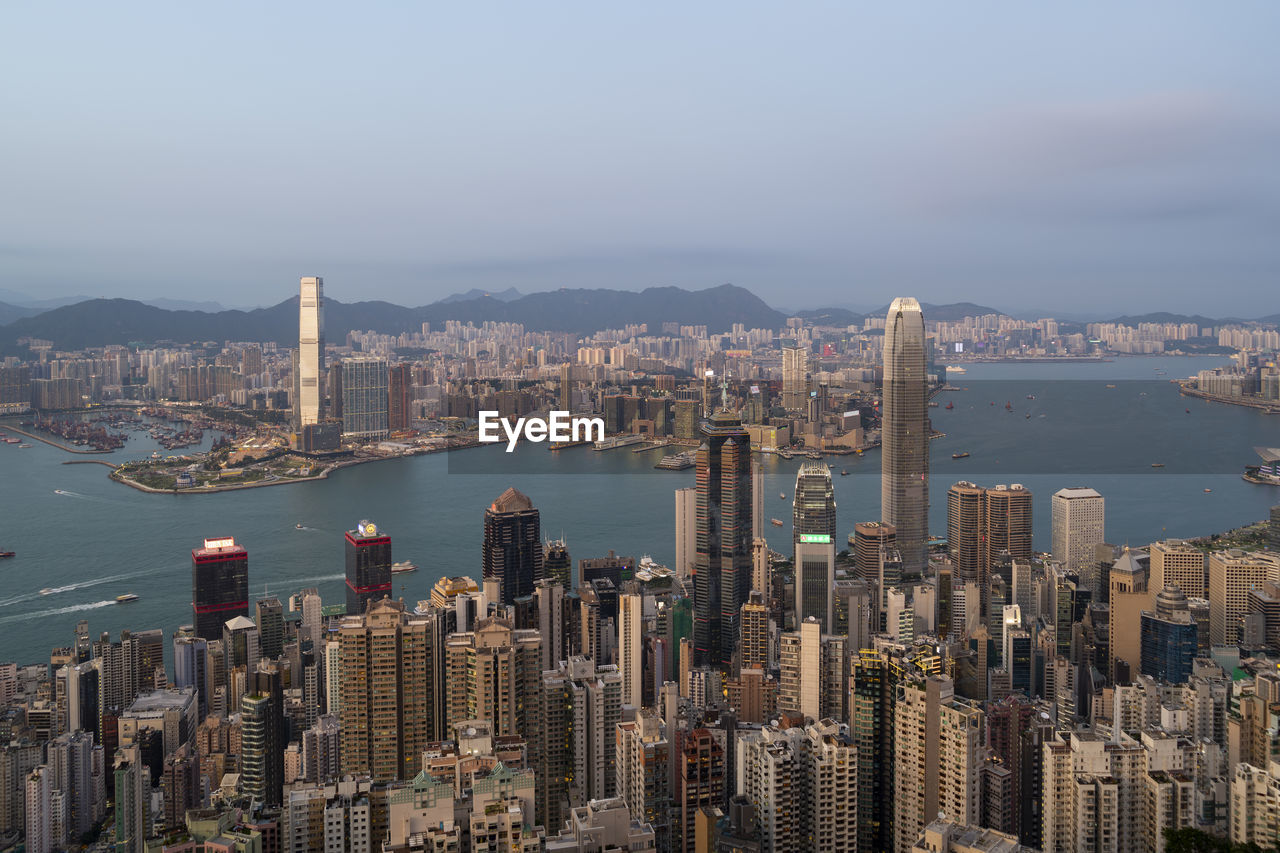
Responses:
[232,487]
[1265,406]
[21,431]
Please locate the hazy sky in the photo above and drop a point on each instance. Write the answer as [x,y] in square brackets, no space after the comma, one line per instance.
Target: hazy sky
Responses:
[1074,156]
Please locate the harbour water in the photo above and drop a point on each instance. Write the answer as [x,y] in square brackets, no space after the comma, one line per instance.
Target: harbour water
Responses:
[88,539]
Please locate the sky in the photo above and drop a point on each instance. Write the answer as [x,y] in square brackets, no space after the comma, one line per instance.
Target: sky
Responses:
[1078,157]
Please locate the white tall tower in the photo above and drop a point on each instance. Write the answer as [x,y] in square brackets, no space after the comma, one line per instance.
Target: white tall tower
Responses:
[310,402]
[1079,522]
[904,442]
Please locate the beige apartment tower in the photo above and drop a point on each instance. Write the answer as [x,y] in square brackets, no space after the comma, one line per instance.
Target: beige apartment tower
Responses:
[1232,574]
[388,665]
[1177,563]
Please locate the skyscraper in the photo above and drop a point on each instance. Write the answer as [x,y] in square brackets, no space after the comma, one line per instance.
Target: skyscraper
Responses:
[1180,564]
[399,414]
[387,684]
[1079,519]
[937,757]
[631,647]
[904,443]
[813,540]
[262,738]
[982,524]
[310,402]
[1169,638]
[512,545]
[364,397]
[368,566]
[270,620]
[722,562]
[686,530]
[795,362]
[814,507]
[219,585]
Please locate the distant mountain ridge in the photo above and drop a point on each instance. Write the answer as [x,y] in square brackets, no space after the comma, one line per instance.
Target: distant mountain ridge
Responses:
[103,322]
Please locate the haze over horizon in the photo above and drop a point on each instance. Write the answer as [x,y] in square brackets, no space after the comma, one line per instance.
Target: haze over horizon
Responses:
[1093,159]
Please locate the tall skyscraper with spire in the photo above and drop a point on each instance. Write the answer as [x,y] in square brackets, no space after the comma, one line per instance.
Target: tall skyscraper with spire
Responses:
[310,400]
[722,560]
[904,443]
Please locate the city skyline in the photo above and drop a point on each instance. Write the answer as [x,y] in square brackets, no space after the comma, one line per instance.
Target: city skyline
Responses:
[692,228]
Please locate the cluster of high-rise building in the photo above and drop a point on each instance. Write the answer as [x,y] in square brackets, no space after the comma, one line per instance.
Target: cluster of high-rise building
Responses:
[902,692]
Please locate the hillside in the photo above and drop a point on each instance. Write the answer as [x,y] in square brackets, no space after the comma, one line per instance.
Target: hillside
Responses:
[102,322]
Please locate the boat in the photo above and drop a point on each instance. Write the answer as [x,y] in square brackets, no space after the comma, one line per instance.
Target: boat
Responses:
[616,441]
[299,526]
[844,472]
[782,495]
[962,455]
[1188,411]
[1031,396]
[950,405]
[1207,491]
[402,567]
[1111,386]
[1008,406]
[933,404]
[678,461]
[1028,416]
[47,591]
[776,522]
[4,554]
[1157,464]
[22,446]
[128,596]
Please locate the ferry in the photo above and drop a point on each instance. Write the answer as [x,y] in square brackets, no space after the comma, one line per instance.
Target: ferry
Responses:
[962,455]
[677,461]
[402,567]
[776,522]
[127,597]
[617,441]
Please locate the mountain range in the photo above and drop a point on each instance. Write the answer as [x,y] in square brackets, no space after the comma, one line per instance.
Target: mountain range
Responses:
[103,322]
